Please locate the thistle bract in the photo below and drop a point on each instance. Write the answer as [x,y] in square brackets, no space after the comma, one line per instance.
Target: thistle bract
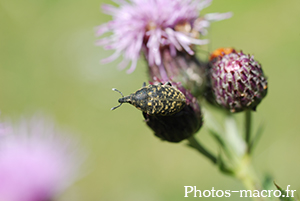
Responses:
[179,126]
[237,81]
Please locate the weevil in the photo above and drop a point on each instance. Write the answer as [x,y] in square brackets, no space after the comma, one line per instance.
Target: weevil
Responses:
[162,100]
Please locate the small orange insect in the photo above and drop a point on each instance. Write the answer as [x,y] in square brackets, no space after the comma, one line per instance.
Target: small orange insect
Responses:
[221,52]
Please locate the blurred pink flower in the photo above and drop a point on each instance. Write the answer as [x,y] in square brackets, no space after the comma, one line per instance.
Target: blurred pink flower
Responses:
[151,25]
[37,161]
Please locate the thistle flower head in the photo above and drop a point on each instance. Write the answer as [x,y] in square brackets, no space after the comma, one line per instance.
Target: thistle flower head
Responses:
[148,26]
[181,125]
[237,80]
[36,162]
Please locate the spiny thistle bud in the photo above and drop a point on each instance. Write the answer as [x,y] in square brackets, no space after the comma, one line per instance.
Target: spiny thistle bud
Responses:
[179,126]
[237,81]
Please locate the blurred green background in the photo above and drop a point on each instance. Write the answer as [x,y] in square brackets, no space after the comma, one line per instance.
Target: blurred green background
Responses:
[49,63]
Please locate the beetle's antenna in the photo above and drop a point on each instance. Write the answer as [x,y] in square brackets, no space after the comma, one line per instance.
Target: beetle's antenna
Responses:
[114,89]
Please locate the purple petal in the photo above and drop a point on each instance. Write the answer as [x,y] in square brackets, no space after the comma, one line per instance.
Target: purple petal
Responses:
[132,67]
[114,56]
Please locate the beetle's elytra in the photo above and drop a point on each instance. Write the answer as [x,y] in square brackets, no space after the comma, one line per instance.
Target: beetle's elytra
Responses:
[155,99]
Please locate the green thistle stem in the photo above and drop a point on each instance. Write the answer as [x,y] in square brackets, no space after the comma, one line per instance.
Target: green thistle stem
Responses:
[196,145]
[246,174]
[238,163]
[248,121]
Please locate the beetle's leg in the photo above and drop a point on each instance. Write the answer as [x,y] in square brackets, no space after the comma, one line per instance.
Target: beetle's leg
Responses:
[144,84]
[159,84]
[168,83]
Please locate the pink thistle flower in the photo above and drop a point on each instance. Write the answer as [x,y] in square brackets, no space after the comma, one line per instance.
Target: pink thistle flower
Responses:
[149,26]
[36,161]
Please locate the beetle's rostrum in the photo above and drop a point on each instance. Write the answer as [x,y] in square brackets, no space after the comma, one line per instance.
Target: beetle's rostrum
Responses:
[162,100]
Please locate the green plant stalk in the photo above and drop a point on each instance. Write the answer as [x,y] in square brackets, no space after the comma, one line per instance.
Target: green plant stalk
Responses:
[247,175]
[198,146]
[248,121]
[242,168]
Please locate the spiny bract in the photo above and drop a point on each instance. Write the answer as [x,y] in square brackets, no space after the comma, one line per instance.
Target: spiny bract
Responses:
[162,100]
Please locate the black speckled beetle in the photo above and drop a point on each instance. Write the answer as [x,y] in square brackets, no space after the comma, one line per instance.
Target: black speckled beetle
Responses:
[158,99]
